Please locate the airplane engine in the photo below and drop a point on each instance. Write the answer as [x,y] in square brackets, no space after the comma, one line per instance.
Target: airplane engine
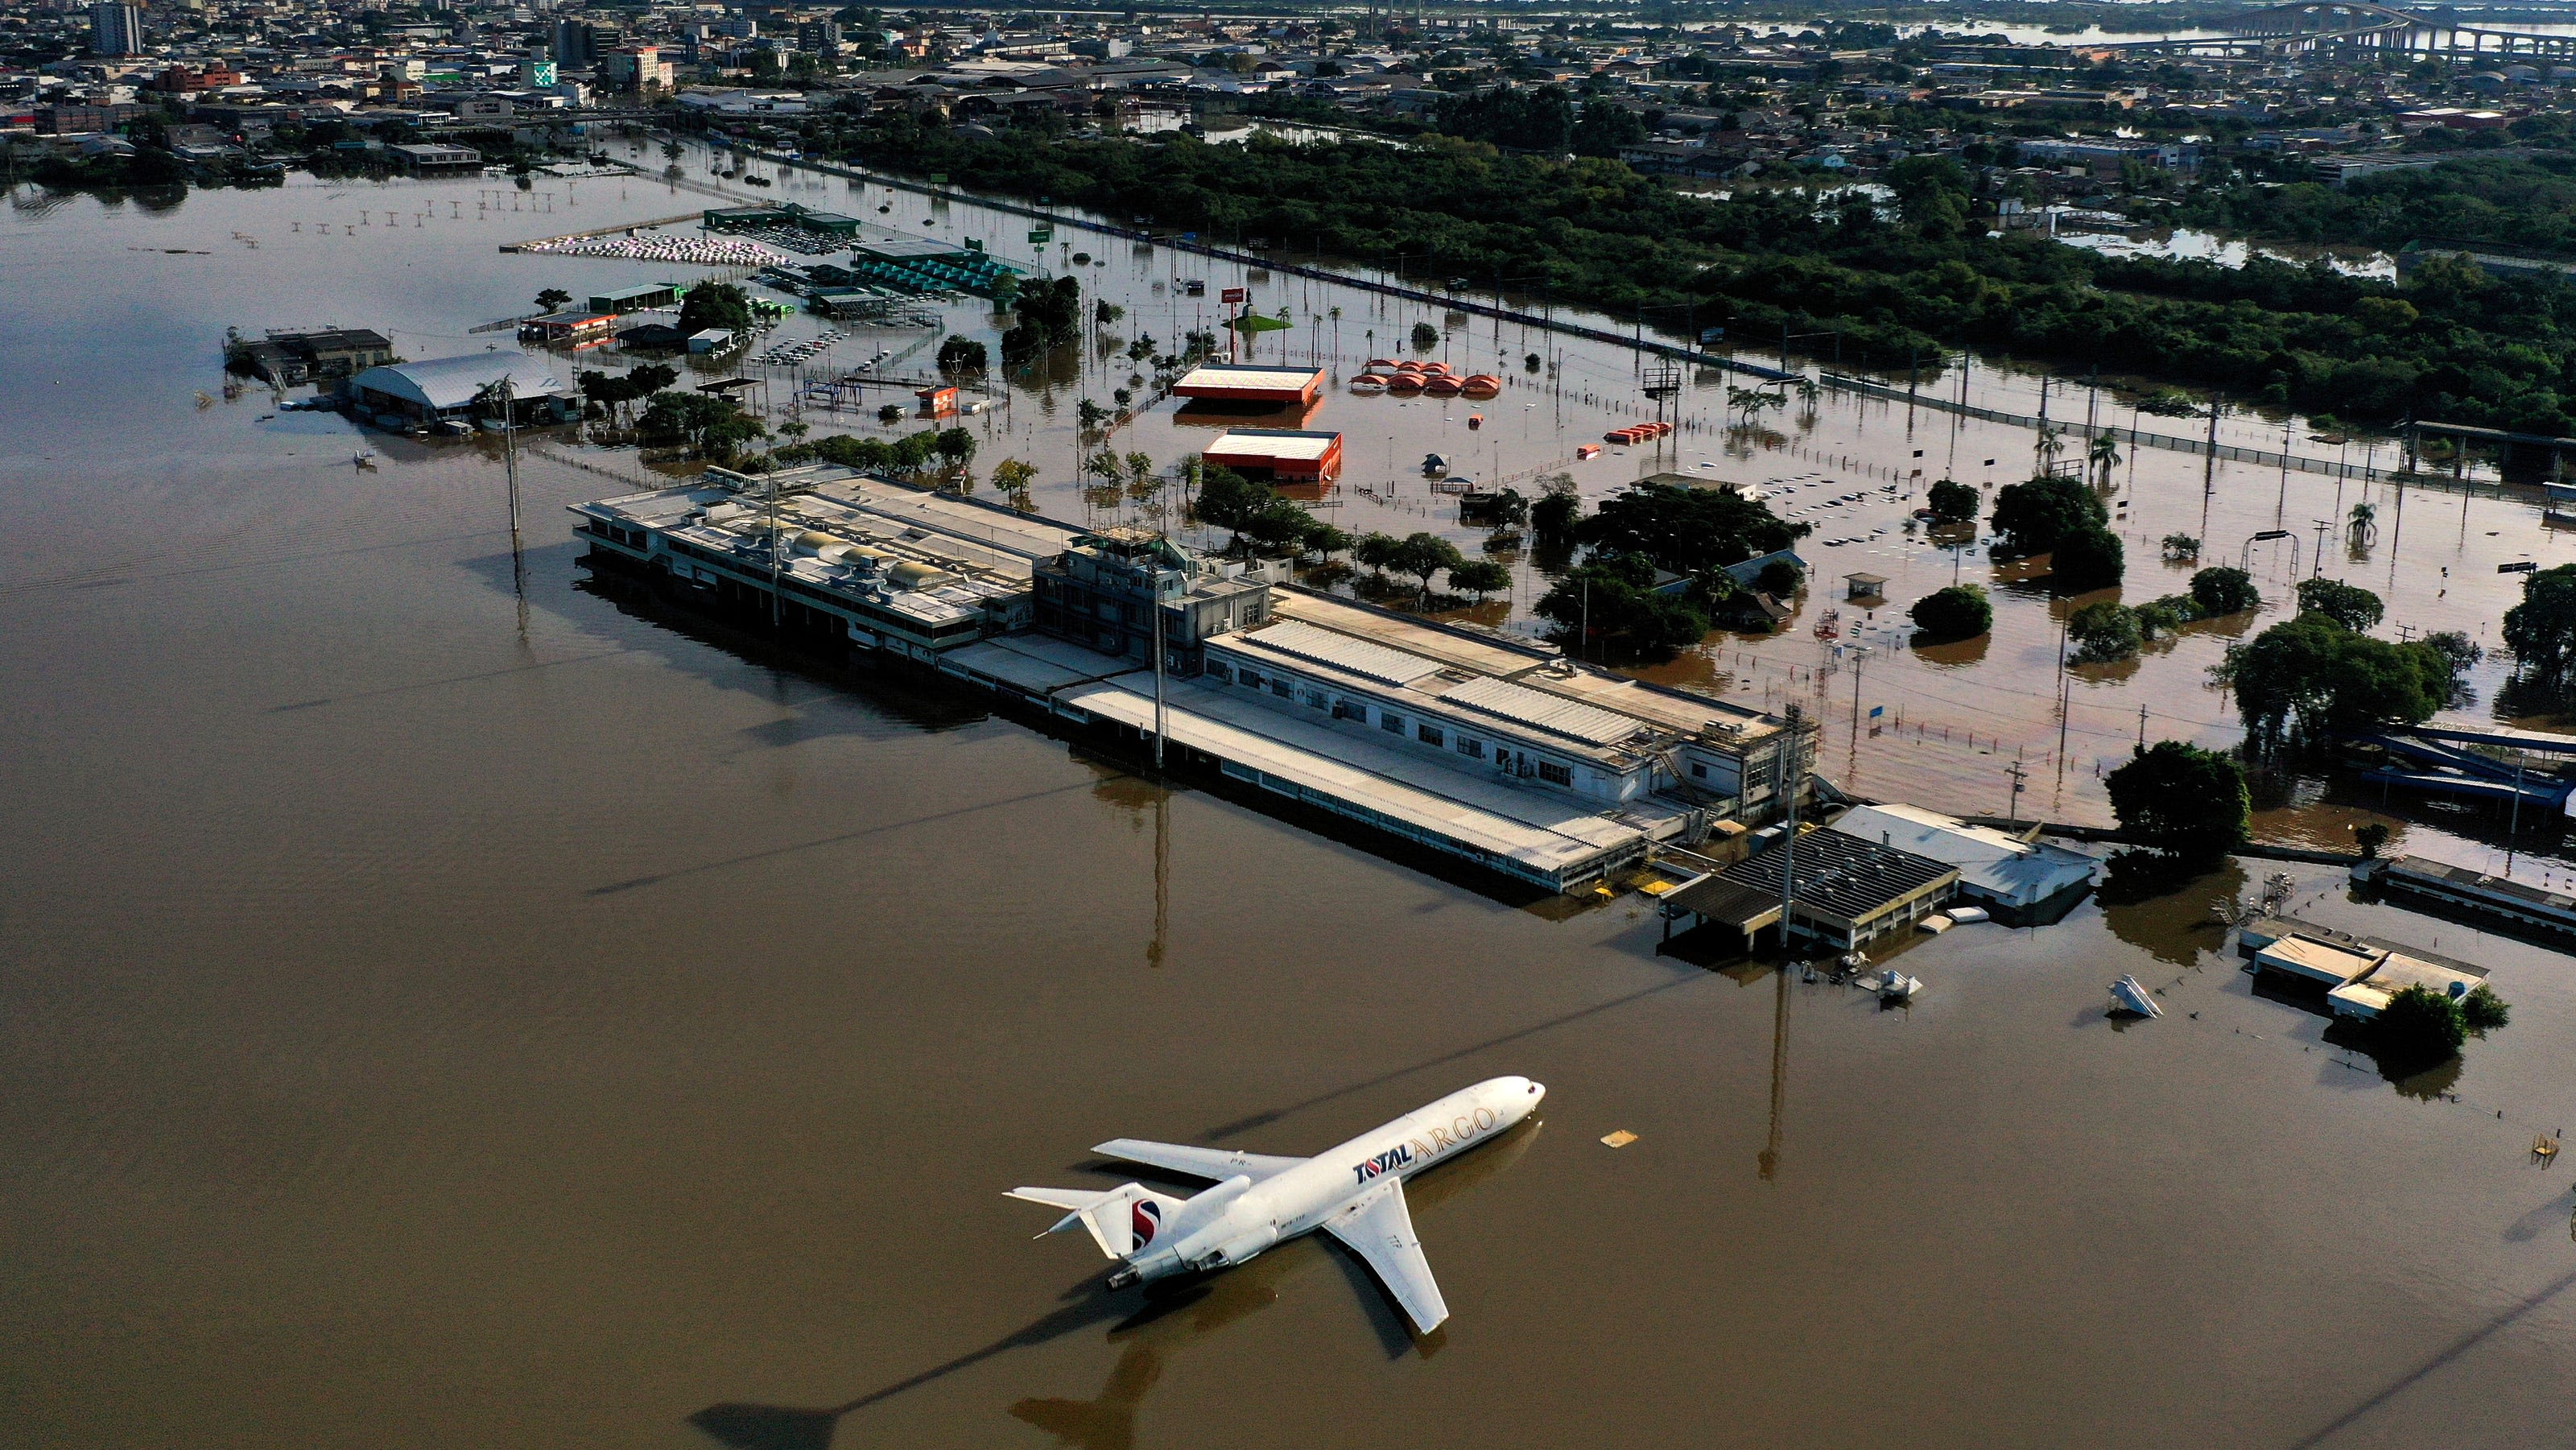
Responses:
[1239,1248]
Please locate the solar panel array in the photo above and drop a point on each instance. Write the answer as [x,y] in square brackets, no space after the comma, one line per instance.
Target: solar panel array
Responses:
[1341,652]
[1539,711]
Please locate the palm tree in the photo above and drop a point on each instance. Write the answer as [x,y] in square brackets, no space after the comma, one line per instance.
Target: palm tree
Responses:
[2361,527]
[2052,442]
[2104,455]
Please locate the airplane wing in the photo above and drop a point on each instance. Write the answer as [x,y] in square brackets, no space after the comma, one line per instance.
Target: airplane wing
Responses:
[1214,1164]
[1379,1230]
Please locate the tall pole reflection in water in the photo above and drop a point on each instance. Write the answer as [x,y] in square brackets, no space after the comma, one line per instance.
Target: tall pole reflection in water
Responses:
[1769,1160]
[1162,877]
[510,473]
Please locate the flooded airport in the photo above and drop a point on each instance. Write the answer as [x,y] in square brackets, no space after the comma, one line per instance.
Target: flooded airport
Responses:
[456,997]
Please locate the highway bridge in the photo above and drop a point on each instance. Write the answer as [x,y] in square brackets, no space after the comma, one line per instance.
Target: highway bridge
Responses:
[2325,25]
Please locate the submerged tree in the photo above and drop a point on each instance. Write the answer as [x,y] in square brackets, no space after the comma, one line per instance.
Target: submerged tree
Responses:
[2181,800]
[1960,611]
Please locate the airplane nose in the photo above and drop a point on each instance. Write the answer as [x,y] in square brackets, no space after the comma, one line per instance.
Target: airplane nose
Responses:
[1538,1090]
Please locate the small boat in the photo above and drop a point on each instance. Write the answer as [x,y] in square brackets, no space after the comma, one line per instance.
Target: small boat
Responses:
[1894,986]
[2132,997]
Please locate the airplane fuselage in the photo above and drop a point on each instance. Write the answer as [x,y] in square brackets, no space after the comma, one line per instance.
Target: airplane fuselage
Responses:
[1239,1217]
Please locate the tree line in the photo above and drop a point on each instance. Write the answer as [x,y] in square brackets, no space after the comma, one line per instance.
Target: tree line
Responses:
[1899,290]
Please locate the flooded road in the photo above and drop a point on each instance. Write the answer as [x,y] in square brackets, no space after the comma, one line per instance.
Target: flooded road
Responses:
[1955,719]
[438,1015]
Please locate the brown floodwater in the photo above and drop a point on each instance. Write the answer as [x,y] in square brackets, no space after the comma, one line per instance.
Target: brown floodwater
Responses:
[443,1013]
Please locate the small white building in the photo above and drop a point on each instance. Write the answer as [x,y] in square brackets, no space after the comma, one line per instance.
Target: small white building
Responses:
[2017,878]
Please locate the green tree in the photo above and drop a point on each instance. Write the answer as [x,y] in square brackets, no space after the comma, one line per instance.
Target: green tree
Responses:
[1780,578]
[553,299]
[913,451]
[1016,478]
[2103,456]
[2084,559]
[2103,632]
[956,447]
[2541,630]
[2031,517]
[2419,1028]
[1226,499]
[1931,194]
[1324,541]
[2182,800]
[1277,527]
[2221,590]
[1423,555]
[2349,605]
[2310,677]
[1374,551]
[2482,1011]
[1692,531]
[2163,616]
[1626,620]
[1951,502]
[1479,577]
[962,355]
[1555,515]
[1604,127]
[717,305]
[708,424]
[1960,611]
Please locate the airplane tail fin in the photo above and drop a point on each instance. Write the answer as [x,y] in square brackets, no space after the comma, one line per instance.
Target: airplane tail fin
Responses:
[1121,1221]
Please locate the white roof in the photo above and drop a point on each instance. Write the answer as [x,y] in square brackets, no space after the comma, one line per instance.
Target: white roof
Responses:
[2308,957]
[1525,706]
[1249,375]
[1274,443]
[1992,864]
[452,382]
[2367,995]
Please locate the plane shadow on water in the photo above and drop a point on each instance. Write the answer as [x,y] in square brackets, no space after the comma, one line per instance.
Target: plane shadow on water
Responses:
[1148,1325]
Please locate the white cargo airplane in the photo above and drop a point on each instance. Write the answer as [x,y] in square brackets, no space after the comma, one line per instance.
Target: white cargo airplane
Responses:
[1354,1192]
